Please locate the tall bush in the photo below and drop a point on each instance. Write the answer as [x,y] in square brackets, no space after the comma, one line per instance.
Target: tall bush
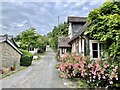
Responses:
[26,59]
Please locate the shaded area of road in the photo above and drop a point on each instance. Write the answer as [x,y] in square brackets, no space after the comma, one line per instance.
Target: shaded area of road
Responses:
[39,75]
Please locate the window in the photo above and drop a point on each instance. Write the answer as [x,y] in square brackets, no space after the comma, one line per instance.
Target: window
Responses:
[77,49]
[96,48]
[63,50]
[31,49]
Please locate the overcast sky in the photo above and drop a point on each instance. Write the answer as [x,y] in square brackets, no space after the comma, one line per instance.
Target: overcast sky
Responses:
[18,16]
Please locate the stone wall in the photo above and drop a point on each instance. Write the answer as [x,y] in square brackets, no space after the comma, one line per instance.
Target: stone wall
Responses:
[9,56]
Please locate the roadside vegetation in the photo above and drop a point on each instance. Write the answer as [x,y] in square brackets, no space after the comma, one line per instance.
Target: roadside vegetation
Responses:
[58,31]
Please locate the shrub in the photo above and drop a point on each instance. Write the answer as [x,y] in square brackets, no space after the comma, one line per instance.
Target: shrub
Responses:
[26,59]
[101,73]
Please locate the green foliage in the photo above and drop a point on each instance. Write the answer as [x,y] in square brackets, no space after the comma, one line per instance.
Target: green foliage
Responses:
[58,31]
[105,27]
[41,42]
[26,59]
[56,66]
[28,38]
[82,84]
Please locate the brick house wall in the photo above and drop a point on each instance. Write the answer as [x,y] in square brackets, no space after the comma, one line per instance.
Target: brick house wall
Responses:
[9,56]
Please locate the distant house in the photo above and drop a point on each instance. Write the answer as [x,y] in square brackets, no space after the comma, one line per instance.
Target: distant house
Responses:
[33,50]
[80,41]
[10,54]
[63,45]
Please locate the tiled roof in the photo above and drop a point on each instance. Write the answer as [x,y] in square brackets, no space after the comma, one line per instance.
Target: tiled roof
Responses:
[76,19]
[80,32]
[10,41]
[63,42]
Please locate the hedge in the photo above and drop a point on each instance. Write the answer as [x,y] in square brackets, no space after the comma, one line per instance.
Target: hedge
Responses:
[26,59]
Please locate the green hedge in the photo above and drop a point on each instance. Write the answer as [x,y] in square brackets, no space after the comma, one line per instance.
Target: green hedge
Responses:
[26,59]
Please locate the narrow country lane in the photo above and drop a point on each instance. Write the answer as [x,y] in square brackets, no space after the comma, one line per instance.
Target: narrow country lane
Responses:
[39,75]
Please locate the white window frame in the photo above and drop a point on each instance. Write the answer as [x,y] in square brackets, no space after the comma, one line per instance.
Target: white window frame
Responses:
[90,45]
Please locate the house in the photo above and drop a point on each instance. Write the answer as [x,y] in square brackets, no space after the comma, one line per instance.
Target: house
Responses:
[82,43]
[33,50]
[10,54]
[63,45]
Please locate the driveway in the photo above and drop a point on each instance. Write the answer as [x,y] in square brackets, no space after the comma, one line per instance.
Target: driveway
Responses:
[41,74]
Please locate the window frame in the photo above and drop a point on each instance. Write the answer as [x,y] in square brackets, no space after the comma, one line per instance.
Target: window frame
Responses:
[91,49]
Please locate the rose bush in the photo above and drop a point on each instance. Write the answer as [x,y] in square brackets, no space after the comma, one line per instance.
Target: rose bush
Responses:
[101,73]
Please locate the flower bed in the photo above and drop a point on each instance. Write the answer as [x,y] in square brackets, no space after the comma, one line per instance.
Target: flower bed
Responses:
[100,73]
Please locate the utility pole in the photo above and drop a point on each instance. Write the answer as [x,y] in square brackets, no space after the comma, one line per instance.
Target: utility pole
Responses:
[58,20]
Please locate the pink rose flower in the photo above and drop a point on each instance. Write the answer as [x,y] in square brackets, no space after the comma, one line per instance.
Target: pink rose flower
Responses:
[105,66]
[103,77]
[73,54]
[64,56]
[77,58]
[106,74]
[76,66]
[62,68]
[102,72]
[116,67]
[111,77]
[90,65]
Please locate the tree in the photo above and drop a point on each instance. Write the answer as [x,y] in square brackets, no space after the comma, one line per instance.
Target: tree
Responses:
[60,30]
[28,38]
[105,27]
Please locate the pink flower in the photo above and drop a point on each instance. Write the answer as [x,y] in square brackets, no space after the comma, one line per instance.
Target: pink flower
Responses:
[102,72]
[64,56]
[111,77]
[105,66]
[81,65]
[116,67]
[92,69]
[85,73]
[104,77]
[83,58]
[67,63]
[99,77]
[97,67]
[62,68]
[90,65]
[83,61]
[106,74]
[116,76]
[76,66]
[94,73]
[73,54]
[77,58]
[68,75]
